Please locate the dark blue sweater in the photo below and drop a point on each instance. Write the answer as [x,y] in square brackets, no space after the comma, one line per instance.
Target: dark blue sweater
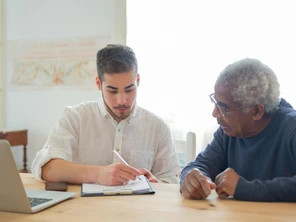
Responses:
[266,162]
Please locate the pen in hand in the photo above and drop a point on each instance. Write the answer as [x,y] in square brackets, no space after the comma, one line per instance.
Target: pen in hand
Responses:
[121,159]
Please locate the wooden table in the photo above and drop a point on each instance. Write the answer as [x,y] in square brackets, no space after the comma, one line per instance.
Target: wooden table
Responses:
[166,205]
[17,138]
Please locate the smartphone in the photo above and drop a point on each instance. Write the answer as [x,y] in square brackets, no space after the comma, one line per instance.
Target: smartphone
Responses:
[56,186]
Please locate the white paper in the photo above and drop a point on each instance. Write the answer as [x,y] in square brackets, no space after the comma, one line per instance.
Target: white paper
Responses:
[140,184]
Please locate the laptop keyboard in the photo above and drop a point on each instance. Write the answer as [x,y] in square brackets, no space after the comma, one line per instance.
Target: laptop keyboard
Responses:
[34,201]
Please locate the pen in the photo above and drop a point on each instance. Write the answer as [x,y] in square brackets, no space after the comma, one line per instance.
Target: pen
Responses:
[123,161]
[120,158]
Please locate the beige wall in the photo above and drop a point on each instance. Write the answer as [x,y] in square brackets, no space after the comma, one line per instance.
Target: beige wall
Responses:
[119,37]
[37,110]
[2,77]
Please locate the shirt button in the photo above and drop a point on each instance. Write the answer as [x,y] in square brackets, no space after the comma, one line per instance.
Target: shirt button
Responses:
[118,130]
[117,149]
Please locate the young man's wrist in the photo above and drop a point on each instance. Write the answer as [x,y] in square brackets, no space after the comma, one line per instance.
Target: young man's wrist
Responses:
[91,174]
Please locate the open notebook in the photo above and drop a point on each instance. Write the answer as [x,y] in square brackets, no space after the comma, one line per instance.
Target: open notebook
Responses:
[140,186]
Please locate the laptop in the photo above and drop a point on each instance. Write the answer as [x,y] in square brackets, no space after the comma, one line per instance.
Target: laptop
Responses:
[14,197]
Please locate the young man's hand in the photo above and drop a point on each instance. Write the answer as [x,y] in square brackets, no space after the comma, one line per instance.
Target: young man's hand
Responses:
[116,174]
[149,176]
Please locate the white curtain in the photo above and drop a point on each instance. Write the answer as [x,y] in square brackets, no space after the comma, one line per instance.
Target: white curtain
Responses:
[182,45]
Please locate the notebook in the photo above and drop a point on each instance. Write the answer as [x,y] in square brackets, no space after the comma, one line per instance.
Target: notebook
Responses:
[140,186]
[14,197]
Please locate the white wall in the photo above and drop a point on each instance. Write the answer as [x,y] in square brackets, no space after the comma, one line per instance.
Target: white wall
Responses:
[38,110]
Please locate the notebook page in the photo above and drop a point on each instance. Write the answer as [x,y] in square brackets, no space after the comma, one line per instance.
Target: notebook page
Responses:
[139,184]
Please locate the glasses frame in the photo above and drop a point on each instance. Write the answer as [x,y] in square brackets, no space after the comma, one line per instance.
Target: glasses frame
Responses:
[223,111]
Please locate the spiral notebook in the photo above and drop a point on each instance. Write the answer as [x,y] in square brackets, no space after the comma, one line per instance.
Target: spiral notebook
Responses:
[140,186]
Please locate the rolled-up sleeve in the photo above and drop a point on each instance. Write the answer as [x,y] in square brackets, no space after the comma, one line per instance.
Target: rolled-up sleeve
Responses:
[60,143]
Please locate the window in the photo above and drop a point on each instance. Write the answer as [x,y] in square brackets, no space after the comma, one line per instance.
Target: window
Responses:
[183,45]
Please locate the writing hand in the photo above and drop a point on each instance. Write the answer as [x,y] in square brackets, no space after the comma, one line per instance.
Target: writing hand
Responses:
[226,183]
[116,174]
[196,186]
[149,175]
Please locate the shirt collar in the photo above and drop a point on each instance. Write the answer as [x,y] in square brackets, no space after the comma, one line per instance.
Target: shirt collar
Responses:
[104,113]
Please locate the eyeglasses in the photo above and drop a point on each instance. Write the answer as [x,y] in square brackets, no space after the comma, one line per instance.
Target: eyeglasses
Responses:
[222,110]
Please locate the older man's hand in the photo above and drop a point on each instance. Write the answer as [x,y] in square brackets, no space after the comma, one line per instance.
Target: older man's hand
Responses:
[196,186]
[226,183]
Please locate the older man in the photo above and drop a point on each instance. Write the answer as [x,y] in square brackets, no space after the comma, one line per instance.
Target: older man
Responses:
[253,154]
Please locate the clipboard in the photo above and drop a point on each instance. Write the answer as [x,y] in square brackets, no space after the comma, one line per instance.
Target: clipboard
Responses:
[137,187]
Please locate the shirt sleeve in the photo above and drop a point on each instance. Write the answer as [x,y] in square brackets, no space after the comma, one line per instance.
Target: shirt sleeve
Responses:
[211,161]
[166,167]
[60,143]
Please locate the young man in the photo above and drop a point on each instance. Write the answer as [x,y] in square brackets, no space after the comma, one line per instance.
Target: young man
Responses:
[253,154]
[79,148]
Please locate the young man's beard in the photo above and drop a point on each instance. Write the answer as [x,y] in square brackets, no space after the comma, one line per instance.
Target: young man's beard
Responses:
[113,114]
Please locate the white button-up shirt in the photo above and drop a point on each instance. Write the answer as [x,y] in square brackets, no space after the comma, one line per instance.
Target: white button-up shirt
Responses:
[87,134]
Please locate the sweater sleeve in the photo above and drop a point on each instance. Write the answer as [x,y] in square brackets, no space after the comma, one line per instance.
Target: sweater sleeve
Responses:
[277,189]
[211,161]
